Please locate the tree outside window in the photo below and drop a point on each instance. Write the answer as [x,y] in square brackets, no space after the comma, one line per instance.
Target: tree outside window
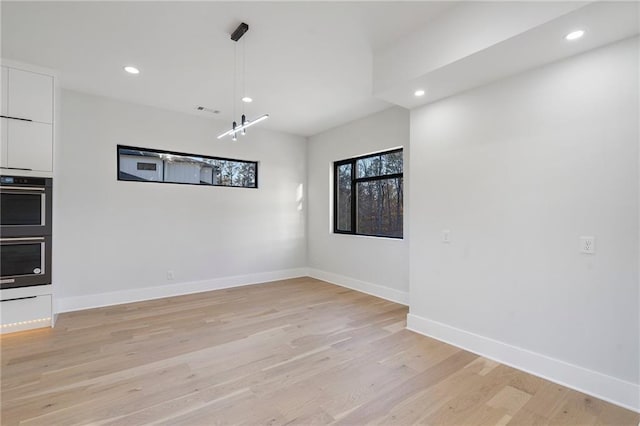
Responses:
[368,195]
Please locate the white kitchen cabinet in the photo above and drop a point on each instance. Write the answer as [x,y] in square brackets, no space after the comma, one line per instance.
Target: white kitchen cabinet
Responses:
[3,142]
[3,90]
[29,96]
[25,313]
[26,149]
[27,131]
[30,145]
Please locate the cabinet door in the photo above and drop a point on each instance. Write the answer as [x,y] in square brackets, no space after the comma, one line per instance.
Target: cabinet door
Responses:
[30,145]
[3,142]
[30,95]
[3,91]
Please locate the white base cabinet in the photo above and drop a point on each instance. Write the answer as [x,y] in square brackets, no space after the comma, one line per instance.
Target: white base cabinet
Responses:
[25,309]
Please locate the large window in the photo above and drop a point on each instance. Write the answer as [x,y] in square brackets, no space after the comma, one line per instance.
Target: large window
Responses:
[151,165]
[368,194]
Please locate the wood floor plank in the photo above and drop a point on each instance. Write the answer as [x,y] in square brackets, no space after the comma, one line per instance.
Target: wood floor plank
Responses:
[297,352]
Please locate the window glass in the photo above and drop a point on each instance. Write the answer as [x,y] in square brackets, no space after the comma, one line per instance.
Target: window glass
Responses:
[147,166]
[368,195]
[343,219]
[380,208]
[380,165]
[150,165]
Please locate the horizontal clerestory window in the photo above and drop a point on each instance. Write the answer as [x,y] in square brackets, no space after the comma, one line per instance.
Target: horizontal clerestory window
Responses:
[152,165]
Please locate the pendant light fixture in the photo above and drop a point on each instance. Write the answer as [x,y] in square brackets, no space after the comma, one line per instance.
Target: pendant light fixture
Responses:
[244,123]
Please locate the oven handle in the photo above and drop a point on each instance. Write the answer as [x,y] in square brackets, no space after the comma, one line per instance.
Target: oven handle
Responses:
[22,188]
[9,240]
[7,281]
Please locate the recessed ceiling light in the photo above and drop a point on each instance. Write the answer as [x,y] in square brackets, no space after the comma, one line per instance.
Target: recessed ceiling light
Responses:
[132,70]
[247,99]
[574,35]
[419,92]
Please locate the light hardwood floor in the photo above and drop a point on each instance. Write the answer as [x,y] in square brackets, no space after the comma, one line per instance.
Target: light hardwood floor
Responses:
[292,352]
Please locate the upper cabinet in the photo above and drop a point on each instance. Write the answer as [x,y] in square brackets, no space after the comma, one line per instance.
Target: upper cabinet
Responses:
[26,127]
[4,144]
[29,95]
[3,90]
[30,146]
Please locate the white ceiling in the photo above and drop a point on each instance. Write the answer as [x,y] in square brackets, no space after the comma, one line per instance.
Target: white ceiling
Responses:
[309,64]
[529,35]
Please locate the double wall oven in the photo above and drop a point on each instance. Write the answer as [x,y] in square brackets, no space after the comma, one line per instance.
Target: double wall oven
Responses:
[25,231]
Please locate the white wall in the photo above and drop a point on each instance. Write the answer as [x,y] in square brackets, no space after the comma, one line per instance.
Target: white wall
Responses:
[518,171]
[121,238]
[375,265]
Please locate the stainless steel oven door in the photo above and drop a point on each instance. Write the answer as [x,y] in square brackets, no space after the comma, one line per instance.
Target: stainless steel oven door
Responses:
[25,261]
[26,210]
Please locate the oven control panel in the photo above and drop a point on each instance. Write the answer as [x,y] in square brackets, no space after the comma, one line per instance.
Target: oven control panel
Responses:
[22,180]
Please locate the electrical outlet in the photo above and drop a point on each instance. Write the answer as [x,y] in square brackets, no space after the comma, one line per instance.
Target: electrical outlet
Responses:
[588,245]
[446,236]
[170,275]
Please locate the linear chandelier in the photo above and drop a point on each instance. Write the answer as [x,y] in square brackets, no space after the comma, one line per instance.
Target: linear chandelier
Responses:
[244,123]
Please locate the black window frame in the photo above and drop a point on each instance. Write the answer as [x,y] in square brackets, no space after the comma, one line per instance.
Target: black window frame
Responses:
[163,151]
[354,181]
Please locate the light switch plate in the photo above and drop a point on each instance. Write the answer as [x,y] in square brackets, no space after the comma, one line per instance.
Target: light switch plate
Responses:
[446,236]
[588,245]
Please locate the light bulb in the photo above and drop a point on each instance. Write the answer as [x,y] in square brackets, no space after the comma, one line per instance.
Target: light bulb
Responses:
[574,35]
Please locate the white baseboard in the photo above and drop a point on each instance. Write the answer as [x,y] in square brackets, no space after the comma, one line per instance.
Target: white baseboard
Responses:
[401,297]
[608,388]
[77,303]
